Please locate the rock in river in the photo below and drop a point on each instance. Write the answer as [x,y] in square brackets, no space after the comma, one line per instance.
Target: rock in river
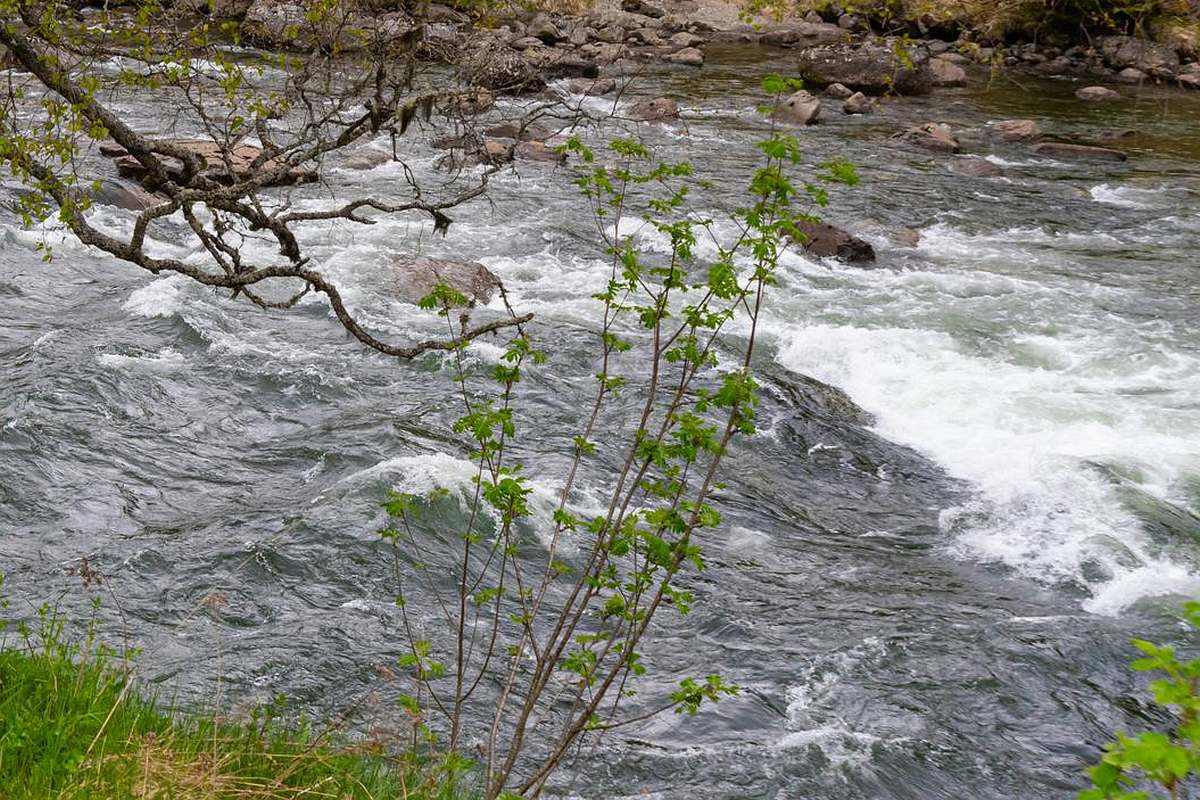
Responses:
[1017,130]
[869,68]
[1097,94]
[825,240]
[932,136]
[974,167]
[415,277]
[799,109]
[659,108]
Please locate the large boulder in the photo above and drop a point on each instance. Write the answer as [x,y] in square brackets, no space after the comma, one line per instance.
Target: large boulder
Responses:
[932,136]
[415,276]
[1017,130]
[1080,152]
[824,240]
[867,67]
[544,29]
[1120,52]
[801,108]
[945,73]
[502,69]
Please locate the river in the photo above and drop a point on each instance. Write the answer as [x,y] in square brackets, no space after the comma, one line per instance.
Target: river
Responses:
[928,597]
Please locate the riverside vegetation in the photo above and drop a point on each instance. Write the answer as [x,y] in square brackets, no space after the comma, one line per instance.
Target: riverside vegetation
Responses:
[536,634]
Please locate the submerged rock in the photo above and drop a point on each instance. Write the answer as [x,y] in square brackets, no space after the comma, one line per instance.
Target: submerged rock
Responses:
[415,277]
[1097,94]
[825,240]
[1082,152]
[974,167]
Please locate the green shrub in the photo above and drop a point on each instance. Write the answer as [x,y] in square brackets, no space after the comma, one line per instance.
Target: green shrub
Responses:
[1166,760]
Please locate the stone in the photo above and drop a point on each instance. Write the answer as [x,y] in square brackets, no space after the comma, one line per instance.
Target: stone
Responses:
[502,69]
[538,151]
[974,167]
[1055,66]
[1097,94]
[858,103]
[525,43]
[1017,130]
[241,158]
[1081,152]
[932,136]
[837,91]
[644,7]
[804,34]
[475,102]
[945,73]
[865,67]
[496,152]
[801,108]
[613,34]
[1189,80]
[659,108]
[825,241]
[593,88]
[555,63]
[647,36]
[369,158]
[544,29]
[688,56]
[415,276]
[954,58]
[581,35]
[1131,75]
[287,26]
[1120,52]
[849,22]
[122,195]
[685,39]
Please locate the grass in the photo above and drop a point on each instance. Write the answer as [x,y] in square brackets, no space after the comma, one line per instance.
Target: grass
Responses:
[73,726]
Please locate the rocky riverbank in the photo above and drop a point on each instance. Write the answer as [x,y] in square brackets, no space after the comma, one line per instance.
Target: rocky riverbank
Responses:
[517,50]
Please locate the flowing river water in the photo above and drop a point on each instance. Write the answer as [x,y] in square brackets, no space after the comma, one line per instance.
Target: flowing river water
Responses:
[925,593]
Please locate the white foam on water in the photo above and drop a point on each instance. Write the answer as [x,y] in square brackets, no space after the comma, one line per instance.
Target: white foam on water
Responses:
[166,360]
[1024,435]
[1121,196]
[159,298]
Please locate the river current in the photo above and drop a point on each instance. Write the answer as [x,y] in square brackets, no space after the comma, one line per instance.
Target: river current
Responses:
[928,596]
